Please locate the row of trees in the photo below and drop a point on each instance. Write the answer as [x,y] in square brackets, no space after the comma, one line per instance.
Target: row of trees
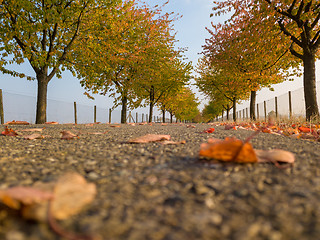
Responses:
[262,43]
[121,48]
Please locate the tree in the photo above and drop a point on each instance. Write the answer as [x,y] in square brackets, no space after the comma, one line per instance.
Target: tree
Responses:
[219,83]
[298,20]
[237,47]
[120,46]
[212,110]
[43,32]
[185,105]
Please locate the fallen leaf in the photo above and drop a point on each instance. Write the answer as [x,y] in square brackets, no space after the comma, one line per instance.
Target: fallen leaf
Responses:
[115,126]
[67,135]
[304,129]
[33,136]
[51,123]
[9,132]
[150,138]
[17,123]
[276,156]
[32,130]
[71,194]
[228,150]
[210,130]
[230,126]
[19,197]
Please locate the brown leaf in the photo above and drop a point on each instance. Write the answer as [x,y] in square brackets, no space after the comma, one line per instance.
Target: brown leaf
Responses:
[32,130]
[71,194]
[276,156]
[51,123]
[228,150]
[68,135]
[18,197]
[17,123]
[33,136]
[150,138]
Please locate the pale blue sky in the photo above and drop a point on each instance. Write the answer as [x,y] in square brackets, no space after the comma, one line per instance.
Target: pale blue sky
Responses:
[191,33]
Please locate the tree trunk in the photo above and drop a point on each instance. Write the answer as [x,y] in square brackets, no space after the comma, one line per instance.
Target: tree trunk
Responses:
[41,116]
[150,112]
[228,110]
[309,83]
[151,96]
[252,105]
[124,101]
[234,105]
[171,118]
[163,115]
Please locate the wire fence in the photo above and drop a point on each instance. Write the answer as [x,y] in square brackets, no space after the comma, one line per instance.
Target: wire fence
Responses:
[285,106]
[23,108]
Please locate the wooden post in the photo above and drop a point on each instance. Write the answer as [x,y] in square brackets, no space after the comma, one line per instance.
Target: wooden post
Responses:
[243,114]
[95,114]
[290,105]
[258,112]
[265,110]
[247,113]
[136,117]
[1,108]
[276,106]
[75,113]
[110,115]
[142,117]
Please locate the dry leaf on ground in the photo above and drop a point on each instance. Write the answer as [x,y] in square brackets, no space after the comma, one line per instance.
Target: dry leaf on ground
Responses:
[235,150]
[17,123]
[9,132]
[150,138]
[51,123]
[71,194]
[19,197]
[67,135]
[32,130]
[228,150]
[33,136]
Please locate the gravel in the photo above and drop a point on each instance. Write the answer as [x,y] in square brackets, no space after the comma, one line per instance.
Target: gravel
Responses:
[154,191]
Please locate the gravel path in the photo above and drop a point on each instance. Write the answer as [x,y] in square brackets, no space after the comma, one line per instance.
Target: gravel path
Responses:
[154,191]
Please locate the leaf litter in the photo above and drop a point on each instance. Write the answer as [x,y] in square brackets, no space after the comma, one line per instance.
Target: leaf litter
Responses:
[48,202]
[238,151]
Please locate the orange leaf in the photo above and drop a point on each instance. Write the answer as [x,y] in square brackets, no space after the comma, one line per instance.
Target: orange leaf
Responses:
[304,129]
[9,132]
[228,150]
[210,130]
[51,123]
[17,123]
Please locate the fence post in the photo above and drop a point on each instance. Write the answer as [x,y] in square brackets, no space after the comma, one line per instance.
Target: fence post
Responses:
[110,115]
[265,110]
[136,117]
[95,114]
[276,106]
[75,112]
[258,112]
[290,105]
[1,108]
